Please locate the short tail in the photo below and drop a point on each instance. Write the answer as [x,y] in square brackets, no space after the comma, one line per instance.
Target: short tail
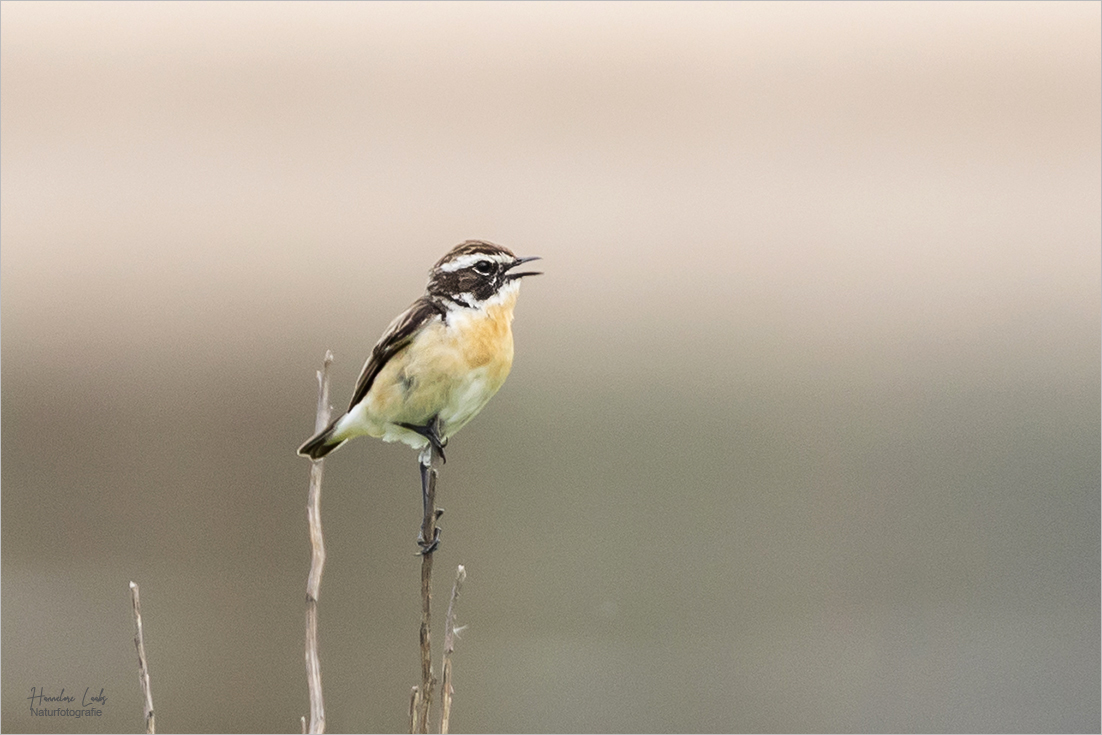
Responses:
[321,444]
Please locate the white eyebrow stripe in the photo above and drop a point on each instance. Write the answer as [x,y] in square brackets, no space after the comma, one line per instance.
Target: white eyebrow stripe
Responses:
[466,261]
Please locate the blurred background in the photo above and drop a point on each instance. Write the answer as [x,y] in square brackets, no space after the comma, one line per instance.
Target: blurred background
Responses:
[803,428]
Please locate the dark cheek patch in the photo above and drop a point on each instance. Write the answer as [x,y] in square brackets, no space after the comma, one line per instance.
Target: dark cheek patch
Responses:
[480,287]
[450,285]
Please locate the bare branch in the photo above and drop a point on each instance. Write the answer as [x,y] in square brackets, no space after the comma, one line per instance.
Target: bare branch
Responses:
[428,531]
[414,706]
[317,559]
[450,634]
[143,665]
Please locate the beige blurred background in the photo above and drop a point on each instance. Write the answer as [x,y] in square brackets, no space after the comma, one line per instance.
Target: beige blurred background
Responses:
[803,429]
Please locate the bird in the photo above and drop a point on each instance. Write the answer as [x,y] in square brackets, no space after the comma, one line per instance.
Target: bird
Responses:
[440,361]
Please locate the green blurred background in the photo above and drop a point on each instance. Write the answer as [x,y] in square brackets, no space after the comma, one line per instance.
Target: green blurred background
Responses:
[803,429]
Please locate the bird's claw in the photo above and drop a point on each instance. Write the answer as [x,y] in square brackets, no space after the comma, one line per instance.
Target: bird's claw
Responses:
[430,546]
[429,431]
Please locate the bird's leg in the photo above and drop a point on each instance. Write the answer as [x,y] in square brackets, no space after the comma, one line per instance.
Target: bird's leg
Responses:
[429,530]
[431,431]
[424,462]
[429,538]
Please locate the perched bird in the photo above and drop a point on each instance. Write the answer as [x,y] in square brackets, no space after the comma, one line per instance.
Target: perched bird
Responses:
[440,361]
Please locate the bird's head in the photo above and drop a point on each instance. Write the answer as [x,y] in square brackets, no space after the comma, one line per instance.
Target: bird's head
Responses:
[474,272]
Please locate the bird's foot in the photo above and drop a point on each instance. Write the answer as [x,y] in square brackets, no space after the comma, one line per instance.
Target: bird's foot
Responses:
[429,546]
[431,432]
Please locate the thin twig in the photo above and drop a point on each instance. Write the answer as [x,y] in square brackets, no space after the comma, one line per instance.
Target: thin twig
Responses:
[428,679]
[143,665]
[317,559]
[414,704]
[428,531]
[450,634]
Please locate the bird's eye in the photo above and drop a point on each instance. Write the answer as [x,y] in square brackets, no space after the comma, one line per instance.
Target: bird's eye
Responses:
[483,267]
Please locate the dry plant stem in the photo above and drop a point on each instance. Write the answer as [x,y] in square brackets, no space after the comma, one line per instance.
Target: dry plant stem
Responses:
[317,559]
[143,666]
[449,646]
[414,702]
[428,532]
[428,679]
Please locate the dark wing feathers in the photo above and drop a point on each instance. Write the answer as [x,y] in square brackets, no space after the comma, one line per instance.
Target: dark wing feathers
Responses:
[397,335]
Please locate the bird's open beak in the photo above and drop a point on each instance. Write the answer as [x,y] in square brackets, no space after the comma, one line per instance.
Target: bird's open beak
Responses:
[517,262]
